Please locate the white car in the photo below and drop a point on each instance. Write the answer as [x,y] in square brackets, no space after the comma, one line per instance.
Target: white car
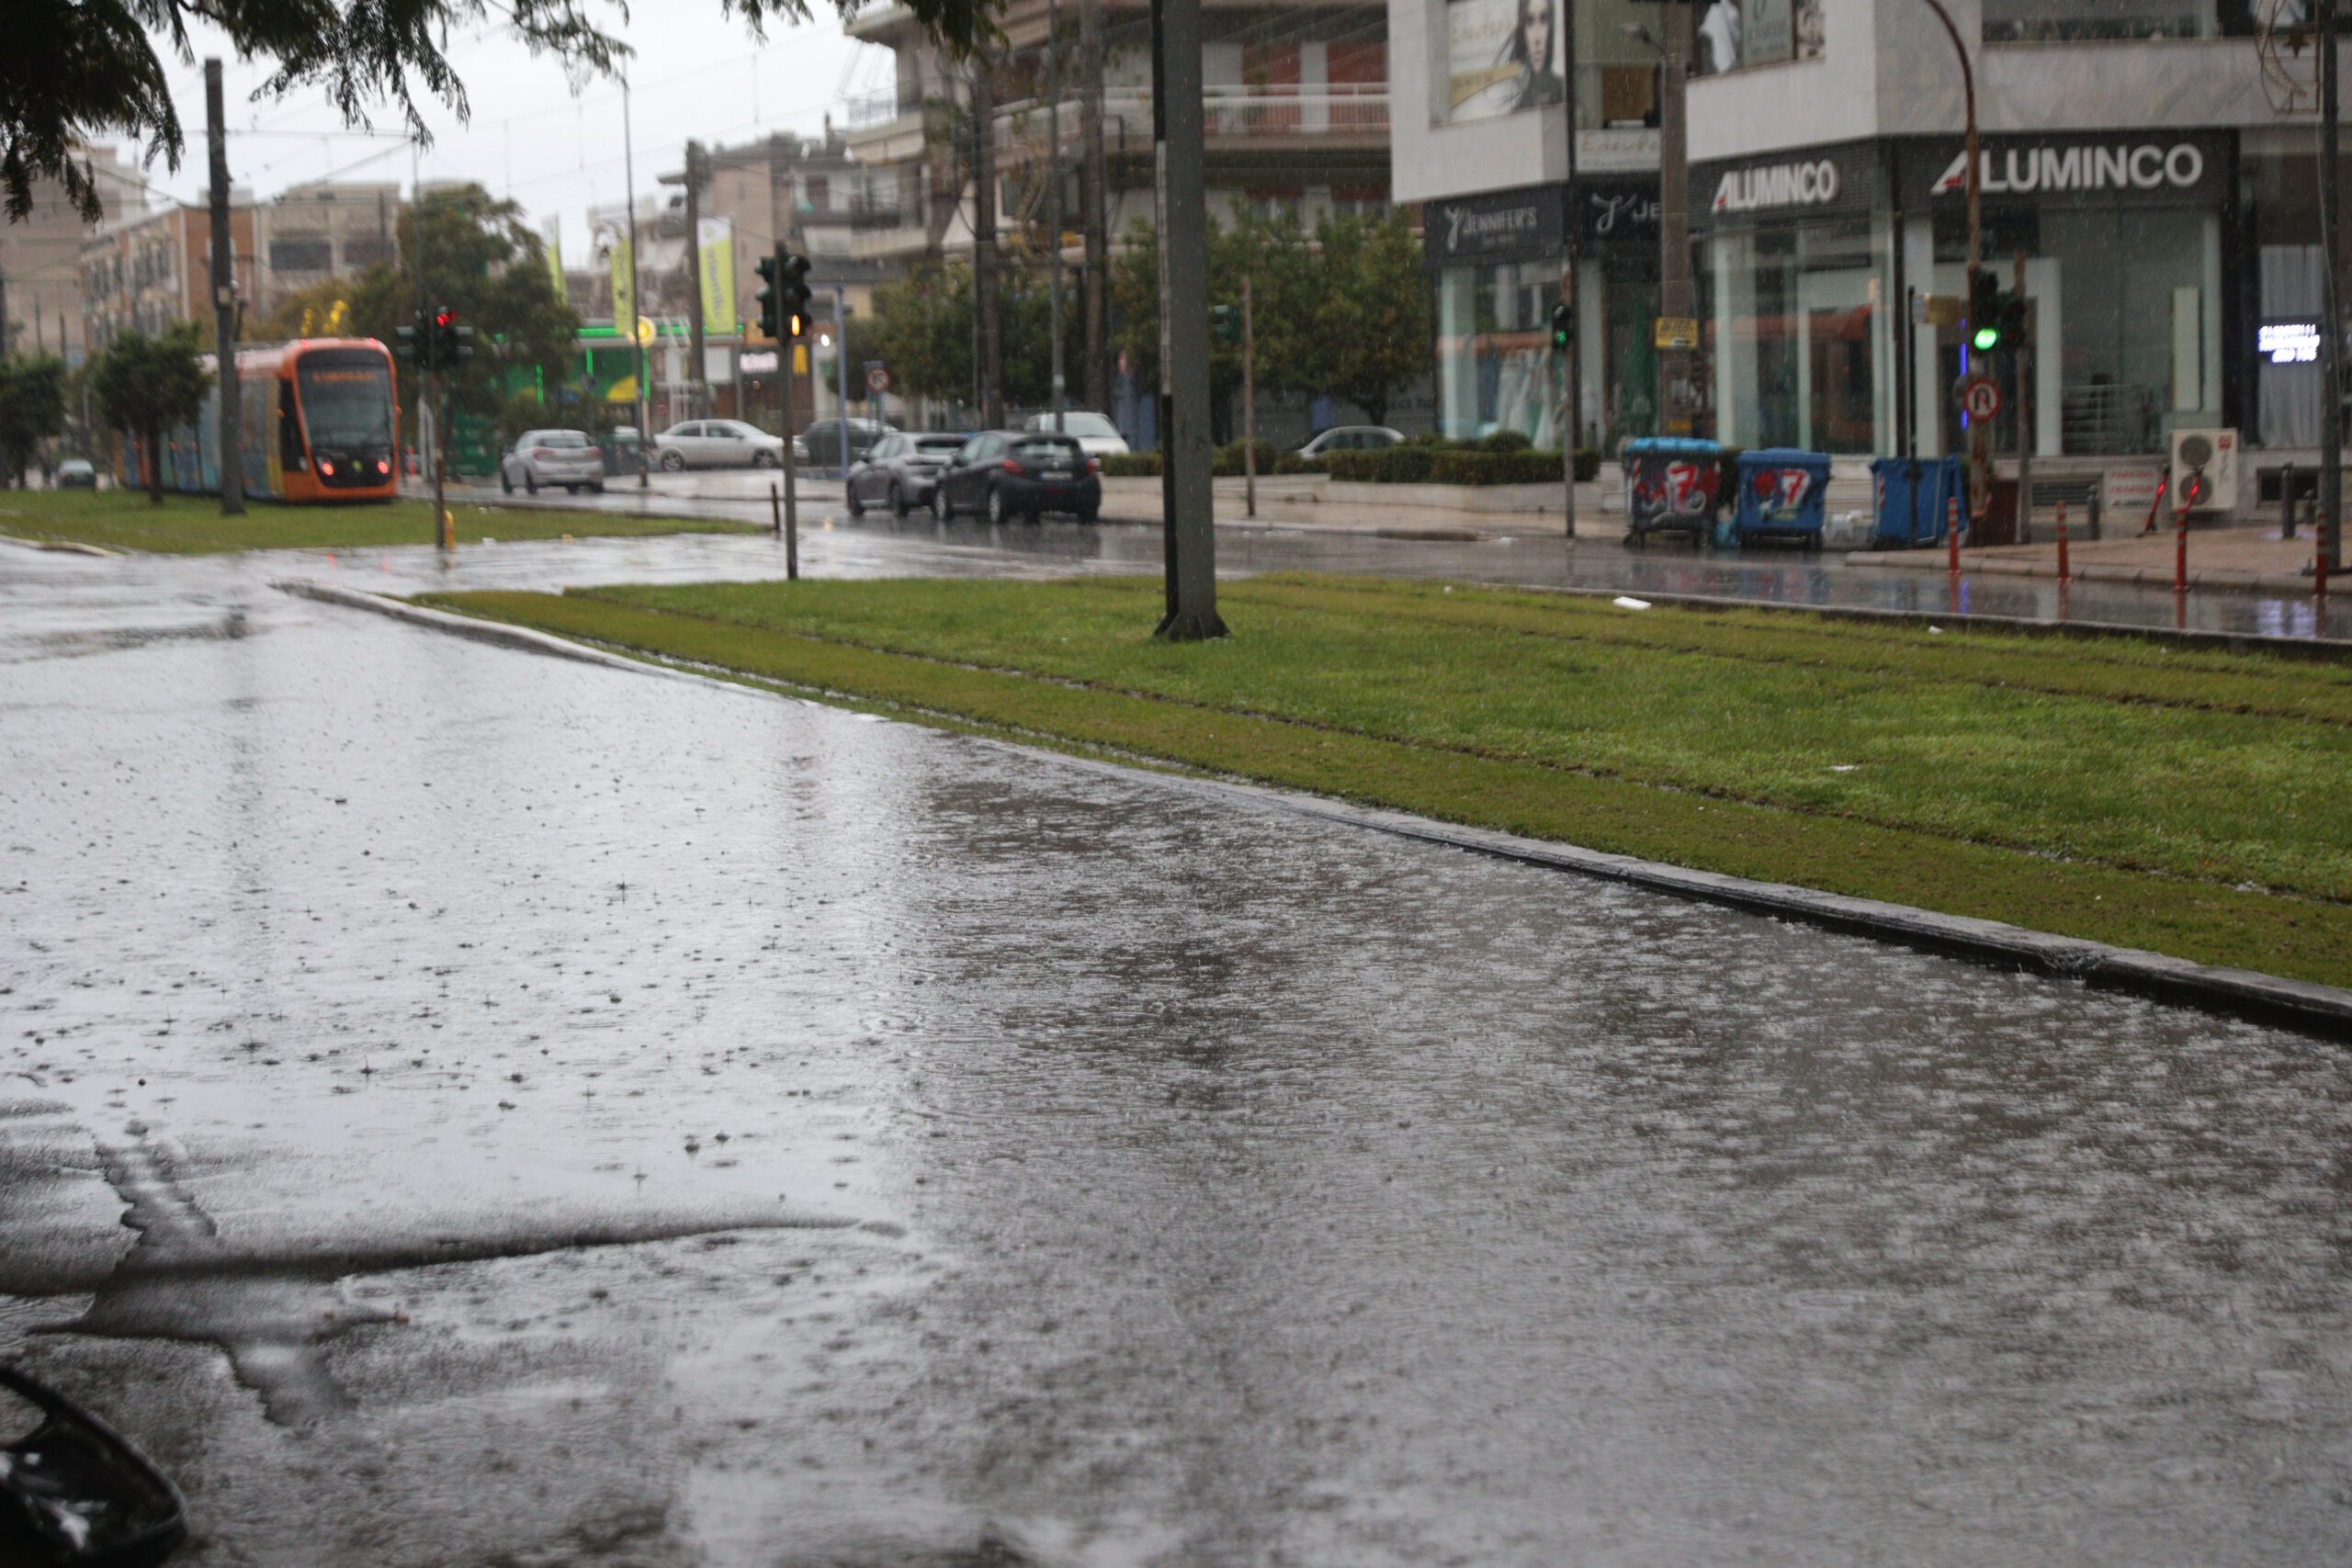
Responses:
[565,457]
[1097,436]
[1351,438]
[717,444]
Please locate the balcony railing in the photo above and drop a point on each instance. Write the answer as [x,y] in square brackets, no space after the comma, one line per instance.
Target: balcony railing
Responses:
[868,215]
[1240,113]
[870,110]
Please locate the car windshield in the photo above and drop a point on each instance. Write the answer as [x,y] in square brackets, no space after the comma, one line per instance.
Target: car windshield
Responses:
[347,398]
[1090,424]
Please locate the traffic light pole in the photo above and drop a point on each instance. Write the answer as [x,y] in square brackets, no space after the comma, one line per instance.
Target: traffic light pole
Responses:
[1572,214]
[1191,526]
[1249,398]
[224,305]
[1979,438]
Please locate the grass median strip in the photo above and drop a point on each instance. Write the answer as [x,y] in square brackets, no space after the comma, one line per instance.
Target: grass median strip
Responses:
[192,524]
[2188,828]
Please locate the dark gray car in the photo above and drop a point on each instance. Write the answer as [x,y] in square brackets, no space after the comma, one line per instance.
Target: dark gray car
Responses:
[900,472]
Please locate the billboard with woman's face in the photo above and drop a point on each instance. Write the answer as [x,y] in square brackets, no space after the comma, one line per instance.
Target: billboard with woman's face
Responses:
[1502,56]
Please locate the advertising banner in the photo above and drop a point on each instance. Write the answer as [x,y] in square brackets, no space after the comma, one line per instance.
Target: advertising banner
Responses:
[1502,56]
[624,297]
[716,238]
[555,255]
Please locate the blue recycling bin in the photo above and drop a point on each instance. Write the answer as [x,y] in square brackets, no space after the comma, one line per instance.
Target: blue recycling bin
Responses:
[1782,493]
[1913,497]
[1670,486]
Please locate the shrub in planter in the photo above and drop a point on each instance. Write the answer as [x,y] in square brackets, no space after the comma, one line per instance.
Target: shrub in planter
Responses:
[1131,466]
[1227,459]
[1588,464]
[1517,468]
[1292,463]
[1504,441]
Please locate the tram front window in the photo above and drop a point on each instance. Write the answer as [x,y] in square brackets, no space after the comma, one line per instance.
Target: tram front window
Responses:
[346,400]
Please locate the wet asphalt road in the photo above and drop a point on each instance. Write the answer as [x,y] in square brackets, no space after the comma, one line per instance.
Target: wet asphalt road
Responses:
[1538,558]
[984,1160]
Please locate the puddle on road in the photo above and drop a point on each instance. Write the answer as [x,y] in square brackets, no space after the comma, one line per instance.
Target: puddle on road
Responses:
[1213,1186]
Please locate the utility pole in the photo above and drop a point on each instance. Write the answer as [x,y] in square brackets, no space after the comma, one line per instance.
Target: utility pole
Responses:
[225,303]
[1674,211]
[1094,282]
[2024,363]
[776,244]
[1177,113]
[1571,220]
[693,281]
[2330,337]
[1054,196]
[991,364]
[428,430]
[636,298]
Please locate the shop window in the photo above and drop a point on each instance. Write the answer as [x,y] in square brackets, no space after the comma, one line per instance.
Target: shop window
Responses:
[1736,34]
[2078,21]
[1797,338]
[1496,368]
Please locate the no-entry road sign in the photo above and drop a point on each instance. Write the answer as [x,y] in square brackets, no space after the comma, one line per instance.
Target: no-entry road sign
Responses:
[1980,397]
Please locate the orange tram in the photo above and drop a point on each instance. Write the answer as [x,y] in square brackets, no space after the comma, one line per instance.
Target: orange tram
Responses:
[322,424]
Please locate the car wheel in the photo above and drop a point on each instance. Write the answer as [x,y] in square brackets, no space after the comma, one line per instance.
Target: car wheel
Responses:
[505,478]
[530,482]
[766,460]
[898,499]
[940,509]
[673,461]
[997,510]
[1089,513]
[572,490]
[596,488]
[857,507]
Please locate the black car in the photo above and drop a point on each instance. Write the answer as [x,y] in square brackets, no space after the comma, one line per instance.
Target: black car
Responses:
[900,472]
[1006,473]
[825,440]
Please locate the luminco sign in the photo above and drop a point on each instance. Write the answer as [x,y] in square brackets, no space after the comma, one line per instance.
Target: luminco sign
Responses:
[1810,182]
[2019,171]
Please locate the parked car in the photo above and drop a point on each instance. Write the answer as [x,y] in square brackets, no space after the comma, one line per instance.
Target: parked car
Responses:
[900,471]
[1006,473]
[75,473]
[718,443]
[1351,438]
[824,438]
[565,457]
[1097,436]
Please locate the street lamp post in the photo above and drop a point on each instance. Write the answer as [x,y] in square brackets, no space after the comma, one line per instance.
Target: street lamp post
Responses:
[1979,435]
[628,172]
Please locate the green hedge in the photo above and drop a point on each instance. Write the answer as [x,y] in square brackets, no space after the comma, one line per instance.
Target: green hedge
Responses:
[1414,464]
[1131,466]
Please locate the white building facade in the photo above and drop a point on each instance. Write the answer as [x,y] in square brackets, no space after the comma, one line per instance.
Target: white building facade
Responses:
[2159,200]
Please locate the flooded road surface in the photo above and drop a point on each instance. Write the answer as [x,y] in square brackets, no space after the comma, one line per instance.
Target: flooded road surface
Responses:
[461,1106]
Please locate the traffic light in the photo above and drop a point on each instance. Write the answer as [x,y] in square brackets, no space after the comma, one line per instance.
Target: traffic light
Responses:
[1984,302]
[771,271]
[1225,325]
[462,346]
[1564,326]
[792,295]
[445,337]
[409,353]
[2012,319]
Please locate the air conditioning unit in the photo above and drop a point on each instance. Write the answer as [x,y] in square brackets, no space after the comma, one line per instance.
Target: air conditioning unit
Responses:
[2204,470]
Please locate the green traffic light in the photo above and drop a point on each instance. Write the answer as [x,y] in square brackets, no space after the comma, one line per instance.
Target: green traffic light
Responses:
[1987,338]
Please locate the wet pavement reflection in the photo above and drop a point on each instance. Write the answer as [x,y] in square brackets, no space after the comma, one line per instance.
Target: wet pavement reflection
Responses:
[565,1117]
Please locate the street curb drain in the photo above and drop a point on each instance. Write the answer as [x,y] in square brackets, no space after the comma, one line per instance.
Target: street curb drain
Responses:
[2320,1009]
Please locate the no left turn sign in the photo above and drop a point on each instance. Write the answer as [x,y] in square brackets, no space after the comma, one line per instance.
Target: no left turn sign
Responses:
[1980,397]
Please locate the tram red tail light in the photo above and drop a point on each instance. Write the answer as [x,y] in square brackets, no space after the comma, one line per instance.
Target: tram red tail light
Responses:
[326,468]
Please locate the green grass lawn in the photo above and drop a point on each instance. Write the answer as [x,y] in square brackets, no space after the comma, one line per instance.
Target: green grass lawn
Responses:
[2115,788]
[192,524]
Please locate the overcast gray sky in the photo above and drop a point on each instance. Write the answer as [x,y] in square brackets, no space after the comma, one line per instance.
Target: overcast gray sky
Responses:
[694,74]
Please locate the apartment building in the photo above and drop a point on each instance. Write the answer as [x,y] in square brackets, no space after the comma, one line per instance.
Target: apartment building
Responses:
[40,257]
[146,271]
[310,233]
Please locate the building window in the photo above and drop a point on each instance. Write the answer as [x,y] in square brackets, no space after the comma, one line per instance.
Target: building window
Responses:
[306,254]
[1495,368]
[2076,21]
[1735,34]
[1799,337]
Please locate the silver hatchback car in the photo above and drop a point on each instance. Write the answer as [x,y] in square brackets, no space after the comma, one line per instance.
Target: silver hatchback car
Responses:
[565,457]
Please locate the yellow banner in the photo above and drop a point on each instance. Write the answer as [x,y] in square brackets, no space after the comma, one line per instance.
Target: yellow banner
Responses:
[555,255]
[624,297]
[716,238]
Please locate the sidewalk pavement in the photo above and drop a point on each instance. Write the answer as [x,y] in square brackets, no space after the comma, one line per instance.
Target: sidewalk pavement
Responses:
[2252,559]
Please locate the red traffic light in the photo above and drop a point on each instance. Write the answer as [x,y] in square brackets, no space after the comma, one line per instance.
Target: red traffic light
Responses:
[444,317]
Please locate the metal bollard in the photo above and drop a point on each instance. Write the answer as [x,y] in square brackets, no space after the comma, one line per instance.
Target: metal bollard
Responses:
[1951,534]
[2287,501]
[2063,573]
[775,512]
[2180,546]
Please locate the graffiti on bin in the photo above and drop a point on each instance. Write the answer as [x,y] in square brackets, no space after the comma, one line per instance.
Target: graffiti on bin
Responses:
[1779,489]
[1675,489]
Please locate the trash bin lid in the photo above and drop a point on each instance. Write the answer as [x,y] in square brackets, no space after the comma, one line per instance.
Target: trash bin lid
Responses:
[1672,446]
[1783,458]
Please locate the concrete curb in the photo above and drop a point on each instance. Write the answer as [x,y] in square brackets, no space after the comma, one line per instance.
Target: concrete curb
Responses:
[59,547]
[2243,993]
